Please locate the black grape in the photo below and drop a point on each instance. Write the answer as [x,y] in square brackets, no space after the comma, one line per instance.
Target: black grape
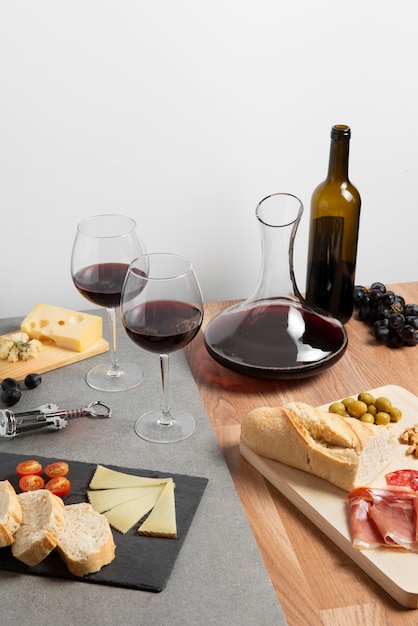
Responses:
[394,322]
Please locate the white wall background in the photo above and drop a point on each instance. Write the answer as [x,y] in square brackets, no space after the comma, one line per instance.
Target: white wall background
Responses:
[184,114]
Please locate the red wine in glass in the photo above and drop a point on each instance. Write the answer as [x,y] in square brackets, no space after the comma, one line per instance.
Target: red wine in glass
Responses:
[101,283]
[161,312]
[163,326]
[103,248]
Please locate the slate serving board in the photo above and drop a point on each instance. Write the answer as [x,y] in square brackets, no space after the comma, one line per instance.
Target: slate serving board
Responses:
[141,563]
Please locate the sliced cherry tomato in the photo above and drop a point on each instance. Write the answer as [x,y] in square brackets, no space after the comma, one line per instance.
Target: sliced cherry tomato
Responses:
[59,468]
[30,466]
[31,482]
[59,486]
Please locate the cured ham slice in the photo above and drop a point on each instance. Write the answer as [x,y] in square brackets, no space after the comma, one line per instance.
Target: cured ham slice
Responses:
[384,516]
[364,531]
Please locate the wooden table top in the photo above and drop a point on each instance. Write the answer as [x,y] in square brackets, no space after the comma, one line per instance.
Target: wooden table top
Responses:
[316,583]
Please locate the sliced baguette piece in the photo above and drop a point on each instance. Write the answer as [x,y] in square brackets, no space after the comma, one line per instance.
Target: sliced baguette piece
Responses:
[86,543]
[344,451]
[10,513]
[42,520]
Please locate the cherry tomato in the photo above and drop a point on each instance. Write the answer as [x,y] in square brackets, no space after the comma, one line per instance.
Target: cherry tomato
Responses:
[31,482]
[59,486]
[59,468]
[29,466]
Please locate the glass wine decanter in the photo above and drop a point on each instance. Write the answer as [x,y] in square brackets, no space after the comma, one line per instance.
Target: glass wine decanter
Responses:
[274,333]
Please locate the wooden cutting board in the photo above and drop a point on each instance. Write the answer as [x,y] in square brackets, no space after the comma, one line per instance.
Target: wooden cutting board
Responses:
[49,358]
[395,570]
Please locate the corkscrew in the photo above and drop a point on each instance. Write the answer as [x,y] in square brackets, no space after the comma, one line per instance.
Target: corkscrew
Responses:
[47,417]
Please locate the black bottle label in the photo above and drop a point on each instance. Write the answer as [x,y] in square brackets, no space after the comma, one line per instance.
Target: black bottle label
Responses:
[330,279]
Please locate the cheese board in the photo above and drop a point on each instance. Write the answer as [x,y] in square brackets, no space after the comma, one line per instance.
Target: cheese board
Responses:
[395,570]
[49,358]
[141,563]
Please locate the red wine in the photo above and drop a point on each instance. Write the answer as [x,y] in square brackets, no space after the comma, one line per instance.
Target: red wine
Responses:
[273,336]
[330,279]
[102,283]
[162,326]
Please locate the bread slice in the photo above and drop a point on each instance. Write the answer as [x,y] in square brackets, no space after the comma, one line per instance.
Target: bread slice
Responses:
[344,451]
[42,520]
[86,542]
[10,513]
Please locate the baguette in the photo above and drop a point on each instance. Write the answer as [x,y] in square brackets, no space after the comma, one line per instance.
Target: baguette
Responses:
[42,520]
[10,513]
[344,451]
[86,543]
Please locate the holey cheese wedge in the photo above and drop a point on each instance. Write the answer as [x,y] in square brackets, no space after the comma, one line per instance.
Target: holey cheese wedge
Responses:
[66,328]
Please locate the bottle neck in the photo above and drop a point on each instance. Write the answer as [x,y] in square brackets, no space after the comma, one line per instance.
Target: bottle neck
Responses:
[339,152]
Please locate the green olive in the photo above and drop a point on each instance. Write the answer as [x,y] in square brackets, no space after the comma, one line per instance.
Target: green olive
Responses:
[368,418]
[395,414]
[357,408]
[342,413]
[347,401]
[372,409]
[382,418]
[335,407]
[366,397]
[383,404]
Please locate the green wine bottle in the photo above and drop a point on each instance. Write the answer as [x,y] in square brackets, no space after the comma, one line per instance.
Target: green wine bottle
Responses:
[333,234]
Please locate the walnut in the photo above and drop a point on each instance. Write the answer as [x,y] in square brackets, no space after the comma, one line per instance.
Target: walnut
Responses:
[410,437]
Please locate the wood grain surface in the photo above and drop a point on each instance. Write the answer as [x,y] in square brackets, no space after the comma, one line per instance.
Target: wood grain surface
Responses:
[315,581]
[50,357]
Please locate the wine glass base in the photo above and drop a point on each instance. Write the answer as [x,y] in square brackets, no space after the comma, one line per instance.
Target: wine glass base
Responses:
[149,427]
[130,376]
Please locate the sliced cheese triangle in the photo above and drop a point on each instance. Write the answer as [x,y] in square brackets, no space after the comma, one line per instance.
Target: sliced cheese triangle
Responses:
[125,515]
[105,499]
[105,478]
[161,522]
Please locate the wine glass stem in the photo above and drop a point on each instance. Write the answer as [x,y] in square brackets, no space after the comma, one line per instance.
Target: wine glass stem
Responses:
[114,369]
[166,419]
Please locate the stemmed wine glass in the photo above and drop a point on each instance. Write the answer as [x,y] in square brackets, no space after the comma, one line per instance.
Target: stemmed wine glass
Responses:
[162,311]
[103,248]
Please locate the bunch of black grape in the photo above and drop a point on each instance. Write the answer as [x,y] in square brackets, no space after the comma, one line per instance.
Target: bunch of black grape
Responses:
[395,323]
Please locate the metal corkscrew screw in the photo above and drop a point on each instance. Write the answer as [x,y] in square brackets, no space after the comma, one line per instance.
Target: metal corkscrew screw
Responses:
[47,417]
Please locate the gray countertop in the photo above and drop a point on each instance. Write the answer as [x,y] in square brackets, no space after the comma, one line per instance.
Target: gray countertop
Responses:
[218,578]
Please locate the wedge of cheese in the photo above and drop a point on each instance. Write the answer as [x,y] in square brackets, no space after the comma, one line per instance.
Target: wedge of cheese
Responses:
[161,522]
[66,328]
[105,499]
[105,478]
[125,515]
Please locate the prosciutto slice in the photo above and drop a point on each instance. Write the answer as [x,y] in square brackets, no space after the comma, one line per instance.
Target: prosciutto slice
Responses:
[384,516]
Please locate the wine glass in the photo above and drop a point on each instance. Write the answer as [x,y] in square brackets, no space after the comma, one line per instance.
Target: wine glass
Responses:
[103,248]
[162,311]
